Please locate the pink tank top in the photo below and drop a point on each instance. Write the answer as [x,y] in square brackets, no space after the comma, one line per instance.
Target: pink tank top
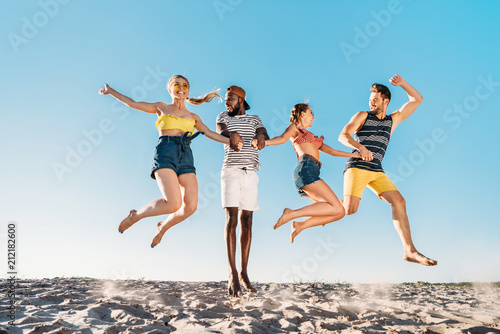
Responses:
[307,137]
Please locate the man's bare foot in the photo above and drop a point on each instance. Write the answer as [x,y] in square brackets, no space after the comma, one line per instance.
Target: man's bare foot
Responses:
[246,282]
[419,258]
[159,234]
[295,231]
[130,220]
[233,286]
[284,218]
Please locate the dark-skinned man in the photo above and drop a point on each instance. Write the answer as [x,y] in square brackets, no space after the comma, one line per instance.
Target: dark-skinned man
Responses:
[239,180]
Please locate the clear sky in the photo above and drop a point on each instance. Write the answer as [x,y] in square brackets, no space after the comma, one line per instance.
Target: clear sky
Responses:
[56,54]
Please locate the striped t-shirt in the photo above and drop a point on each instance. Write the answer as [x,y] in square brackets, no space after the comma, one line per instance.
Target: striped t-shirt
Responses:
[245,125]
[374,135]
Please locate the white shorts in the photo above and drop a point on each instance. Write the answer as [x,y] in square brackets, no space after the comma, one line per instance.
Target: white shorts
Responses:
[239,189]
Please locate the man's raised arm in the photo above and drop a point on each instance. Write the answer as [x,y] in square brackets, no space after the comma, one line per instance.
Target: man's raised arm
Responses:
[409,107]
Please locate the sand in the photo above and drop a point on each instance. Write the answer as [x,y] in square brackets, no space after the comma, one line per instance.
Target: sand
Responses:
[83,305]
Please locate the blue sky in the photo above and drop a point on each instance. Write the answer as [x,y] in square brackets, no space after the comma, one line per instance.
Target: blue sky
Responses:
[55,55]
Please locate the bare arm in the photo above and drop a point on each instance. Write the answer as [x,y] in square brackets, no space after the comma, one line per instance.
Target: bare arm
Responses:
[409,107]
[354,125]
[200,126]
[278,140]
[336,153]
[235,140]
[142,106]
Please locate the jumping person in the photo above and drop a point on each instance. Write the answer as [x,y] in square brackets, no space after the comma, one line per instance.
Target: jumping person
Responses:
[173,162]
[326,207]
[239,180]
[373,130]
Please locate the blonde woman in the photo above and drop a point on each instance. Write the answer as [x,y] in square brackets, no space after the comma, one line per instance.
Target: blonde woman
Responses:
[173,163]
[326,207]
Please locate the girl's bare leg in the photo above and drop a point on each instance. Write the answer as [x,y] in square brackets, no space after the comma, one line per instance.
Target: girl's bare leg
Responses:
[325,204]
[171,202]
[189,194]
[326,209]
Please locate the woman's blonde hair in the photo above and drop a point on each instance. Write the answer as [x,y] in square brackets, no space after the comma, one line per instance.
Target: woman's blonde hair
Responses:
[297,110]
[200,100]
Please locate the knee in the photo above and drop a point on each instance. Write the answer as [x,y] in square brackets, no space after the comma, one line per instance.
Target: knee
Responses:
[231,218]
[351,209]
[399,202]
[340,212]
[174,204]
[246,219]
[190,208]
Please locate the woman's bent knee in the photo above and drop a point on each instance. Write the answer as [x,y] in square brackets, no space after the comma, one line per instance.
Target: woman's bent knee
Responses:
[189,209]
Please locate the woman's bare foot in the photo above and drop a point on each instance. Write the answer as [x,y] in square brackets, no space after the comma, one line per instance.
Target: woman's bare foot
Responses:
[245,281]
[159,234]
[419,258]
[295,231]
[284,218]
[130,220]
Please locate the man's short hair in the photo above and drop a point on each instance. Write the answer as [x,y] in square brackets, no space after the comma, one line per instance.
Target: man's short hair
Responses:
[383,90]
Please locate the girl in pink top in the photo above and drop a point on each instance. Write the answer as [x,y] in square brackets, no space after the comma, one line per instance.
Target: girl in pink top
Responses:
[326,207]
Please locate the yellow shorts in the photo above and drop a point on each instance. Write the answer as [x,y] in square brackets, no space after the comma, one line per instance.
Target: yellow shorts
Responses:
[356,179]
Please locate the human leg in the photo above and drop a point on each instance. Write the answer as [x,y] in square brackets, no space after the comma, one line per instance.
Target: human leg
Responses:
[171,202]
[245,243]
[402,226]
[355,182]
[189,194]
[233,285]
[325,203]
[326,209]
[351,204]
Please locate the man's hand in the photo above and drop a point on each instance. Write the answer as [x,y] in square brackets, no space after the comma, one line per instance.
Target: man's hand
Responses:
[105,90]
[235,141]
[366,154]
[259,142]
[397,80]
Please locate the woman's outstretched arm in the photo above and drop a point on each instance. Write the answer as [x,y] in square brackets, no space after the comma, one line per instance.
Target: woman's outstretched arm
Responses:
[278,140]
[336,153]
[142,106]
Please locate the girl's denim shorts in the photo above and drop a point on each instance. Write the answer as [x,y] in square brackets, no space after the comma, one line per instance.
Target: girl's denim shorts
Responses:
[174,152]
[306,172]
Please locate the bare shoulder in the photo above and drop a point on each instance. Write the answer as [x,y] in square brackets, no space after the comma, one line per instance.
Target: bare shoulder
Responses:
[163,108]
[291,127]
[292,130]
[360,115]
[195,117]
[358,119]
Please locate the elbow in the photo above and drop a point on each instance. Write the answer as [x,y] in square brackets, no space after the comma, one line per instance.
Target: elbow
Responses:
[419,99]
[341,138]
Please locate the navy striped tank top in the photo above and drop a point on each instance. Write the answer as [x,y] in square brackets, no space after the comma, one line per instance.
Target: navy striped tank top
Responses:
[374,135]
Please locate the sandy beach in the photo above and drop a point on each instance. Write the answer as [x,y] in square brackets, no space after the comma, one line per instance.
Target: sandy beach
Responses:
[84,305]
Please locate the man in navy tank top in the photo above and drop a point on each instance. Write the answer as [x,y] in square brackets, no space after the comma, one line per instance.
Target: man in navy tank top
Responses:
[372,131]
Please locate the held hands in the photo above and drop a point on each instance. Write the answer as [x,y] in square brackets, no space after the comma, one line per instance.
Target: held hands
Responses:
[106,90]
[366,155]
[235,141]
[259,142]
[397,80]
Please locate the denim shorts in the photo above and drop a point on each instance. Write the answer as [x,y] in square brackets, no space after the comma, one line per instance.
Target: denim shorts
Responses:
[175,153]
[306,172]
